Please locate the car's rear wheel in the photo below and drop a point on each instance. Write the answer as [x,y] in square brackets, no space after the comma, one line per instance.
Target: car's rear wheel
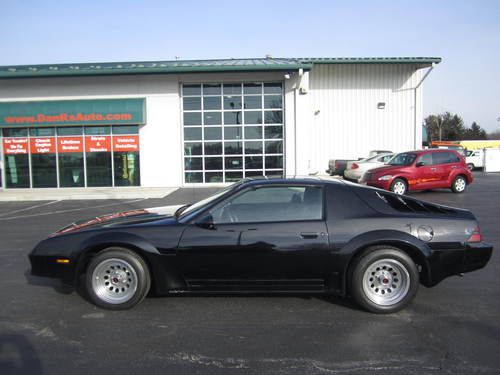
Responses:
[384,280]
[459,184]
[399,186]
[117,279]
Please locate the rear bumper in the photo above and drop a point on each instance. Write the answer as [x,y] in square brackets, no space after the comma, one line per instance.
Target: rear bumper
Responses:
[444,263]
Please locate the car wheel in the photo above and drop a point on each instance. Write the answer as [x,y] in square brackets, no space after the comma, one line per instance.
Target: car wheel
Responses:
[470,166]
[117,279]
[384,280]
[459,184]
[399,186]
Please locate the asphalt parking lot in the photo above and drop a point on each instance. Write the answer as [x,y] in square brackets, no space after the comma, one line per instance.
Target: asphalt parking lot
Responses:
[451,328]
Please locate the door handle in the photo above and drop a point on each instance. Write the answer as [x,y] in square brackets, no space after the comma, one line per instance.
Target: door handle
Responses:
[309,235]
[433,169]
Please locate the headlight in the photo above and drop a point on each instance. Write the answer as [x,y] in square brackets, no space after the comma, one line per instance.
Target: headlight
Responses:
[385,178]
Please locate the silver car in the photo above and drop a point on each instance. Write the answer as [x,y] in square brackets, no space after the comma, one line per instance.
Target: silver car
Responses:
[355,169]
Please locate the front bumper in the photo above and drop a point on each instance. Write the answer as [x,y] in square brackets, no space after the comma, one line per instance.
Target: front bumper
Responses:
[444,263]
[47,266]
[385,185]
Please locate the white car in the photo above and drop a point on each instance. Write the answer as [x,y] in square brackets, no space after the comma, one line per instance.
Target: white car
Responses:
[474,159]
[355,169]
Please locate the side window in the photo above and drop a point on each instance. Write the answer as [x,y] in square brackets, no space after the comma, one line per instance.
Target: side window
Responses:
[445,158]
[386,158]
[268,204]
[426,159]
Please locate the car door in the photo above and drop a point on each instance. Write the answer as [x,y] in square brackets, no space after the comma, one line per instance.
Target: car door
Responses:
[266,237]
[446,163]
[427,173]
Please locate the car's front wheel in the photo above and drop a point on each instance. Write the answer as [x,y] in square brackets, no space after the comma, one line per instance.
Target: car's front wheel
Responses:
[399,186]
[117,279]
[384,280]
[470,166]
[459,184]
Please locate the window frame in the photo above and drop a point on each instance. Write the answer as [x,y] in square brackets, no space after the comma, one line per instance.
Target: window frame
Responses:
[208,210]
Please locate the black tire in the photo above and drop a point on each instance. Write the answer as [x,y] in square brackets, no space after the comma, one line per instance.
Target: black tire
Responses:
[459,184]
[404,275]
[470,166]
[396,186]
[133,279]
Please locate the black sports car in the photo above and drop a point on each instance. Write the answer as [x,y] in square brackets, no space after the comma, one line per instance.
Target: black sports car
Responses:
[269,235]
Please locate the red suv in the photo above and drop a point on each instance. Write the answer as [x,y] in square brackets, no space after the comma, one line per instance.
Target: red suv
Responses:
[421,170]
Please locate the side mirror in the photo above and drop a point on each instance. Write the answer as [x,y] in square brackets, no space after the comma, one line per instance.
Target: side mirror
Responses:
[420,164]
[206,222]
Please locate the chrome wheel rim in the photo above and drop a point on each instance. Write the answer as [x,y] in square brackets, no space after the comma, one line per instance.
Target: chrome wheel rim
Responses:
[460,184]
[399,187]
[114,281]
[386,282]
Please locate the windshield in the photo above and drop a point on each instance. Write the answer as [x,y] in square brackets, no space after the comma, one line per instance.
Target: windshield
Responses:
[405,158]
[209,199]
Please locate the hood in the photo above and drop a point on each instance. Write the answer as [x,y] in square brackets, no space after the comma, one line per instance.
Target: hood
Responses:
[121,218]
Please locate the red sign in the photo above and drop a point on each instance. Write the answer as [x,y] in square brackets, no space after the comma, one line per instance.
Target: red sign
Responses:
[125,143]
[97,143]
[45,145]
[13,146]
[69,144]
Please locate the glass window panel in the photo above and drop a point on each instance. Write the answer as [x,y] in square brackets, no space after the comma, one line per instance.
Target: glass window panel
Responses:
[232,89]
[193,177]
[213,148]
[253,162]
[273,101]
[233,162]
[253,102]
[274,173]
[254,173]
[253,117]
[71,173]
[253,147]
[193,148]
[192,134]
[213,177]
[43,170]
[273,132]
[273,117]
[191,89]
[213,134]
[232,102]
[274,162]
[231,148]
[233,176]
[192,118]
[17,173]
[253,132]
[99,169]
[232,132]
[191,103]
[42,132]
[212,118]
[126,165]
[232,118]
[15,132]
[274,147]
[252,88]
[192,163]
[211,89]
[70,130]
[211,102]
[272,88]
[125,129]
[213,163]
[97,130]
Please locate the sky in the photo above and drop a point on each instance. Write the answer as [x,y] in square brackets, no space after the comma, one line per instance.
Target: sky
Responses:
[465,34]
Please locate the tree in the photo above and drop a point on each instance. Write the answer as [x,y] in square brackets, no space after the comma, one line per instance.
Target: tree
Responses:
[445,127]
[475,132]
[494,135]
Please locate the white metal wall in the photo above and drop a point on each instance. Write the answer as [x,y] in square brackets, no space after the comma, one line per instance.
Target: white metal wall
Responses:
[344,120]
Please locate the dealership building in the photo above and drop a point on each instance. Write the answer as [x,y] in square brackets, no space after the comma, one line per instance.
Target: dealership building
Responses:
[202,122]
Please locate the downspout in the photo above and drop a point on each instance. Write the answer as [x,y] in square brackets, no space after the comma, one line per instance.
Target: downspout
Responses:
[415,105]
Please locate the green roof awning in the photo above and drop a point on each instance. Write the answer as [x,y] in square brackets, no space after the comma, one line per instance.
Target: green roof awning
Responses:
[196,66]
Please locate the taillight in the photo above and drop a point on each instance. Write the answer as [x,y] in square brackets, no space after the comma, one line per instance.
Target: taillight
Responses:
[475,235]
[337,164]
[354,166]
